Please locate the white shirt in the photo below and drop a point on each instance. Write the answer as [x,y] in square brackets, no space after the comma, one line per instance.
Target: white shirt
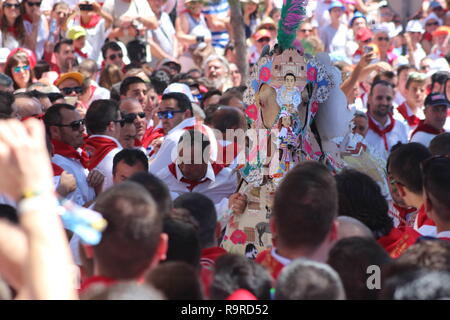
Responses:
[216,187]
[399,117]
[42,35]
[334,40]
[133,9]
[423,138]
[106,165]
[168,150]
[83,193]
[397,134]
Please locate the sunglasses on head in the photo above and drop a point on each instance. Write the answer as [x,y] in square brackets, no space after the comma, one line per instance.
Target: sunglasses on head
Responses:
[168,114]
[67,91]
[130,117]
[31,4]
[24,68]
[264,40]
[383,38]
[12,5]
[114,56]
[429,24]
[75,125]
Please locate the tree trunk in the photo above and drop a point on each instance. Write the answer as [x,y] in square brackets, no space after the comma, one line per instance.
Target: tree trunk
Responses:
[238,29]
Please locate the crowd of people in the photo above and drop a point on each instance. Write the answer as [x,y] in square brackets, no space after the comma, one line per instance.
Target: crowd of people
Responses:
[108,105]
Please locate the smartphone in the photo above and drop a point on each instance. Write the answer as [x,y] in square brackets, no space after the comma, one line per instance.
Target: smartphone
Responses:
[368,49]
[86,7]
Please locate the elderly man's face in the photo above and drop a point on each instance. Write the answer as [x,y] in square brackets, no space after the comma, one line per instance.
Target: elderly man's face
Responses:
[215,69]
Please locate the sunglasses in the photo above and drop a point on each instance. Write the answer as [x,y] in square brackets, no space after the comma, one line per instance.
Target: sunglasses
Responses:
[429,24]
[12,5]
[67,91]
[168,114]
[130,117]
[263,40]
[31,4]
[305,30]
[383,38]
[114,56]
[121,122]
[200,96]
[24,68]
[75,125]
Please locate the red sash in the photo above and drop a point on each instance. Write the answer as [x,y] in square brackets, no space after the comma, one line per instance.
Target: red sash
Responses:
[92,22]
[271,264]
[66,150]
[57,170]
[398,240]
[426,128]
[382,133]
[98,148]
[413,120]
[193,183]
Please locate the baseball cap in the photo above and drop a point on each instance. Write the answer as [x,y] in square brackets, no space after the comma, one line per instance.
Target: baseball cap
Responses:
[436,99]
[167,61]
[364,34]
[435,5]
[78,77]
[414,26]
[357,15]
[181,88]
[336,4]
[76,32]
[441,31]
[263,33]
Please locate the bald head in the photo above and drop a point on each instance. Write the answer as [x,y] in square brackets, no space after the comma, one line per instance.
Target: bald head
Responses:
[27,107]
[227,118]
[351,227]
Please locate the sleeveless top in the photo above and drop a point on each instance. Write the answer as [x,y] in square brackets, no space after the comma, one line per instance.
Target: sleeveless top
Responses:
[197,28]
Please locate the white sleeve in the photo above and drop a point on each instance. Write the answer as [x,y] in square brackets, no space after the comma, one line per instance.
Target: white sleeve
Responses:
[223,213]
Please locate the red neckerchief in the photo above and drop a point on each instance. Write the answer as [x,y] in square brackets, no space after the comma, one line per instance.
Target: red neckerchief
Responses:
[150,135]
[98,148]
[95,280]
[413,120]
[230,149]
[191,184]
[382,133]
[423,219]
[197,126]
[84,55]
[207,262]
[398,240]
[92,22]
[57,170]
[66,150]
[358,53]
[26,17]
[13,30]
[427,128]
[271,264]
[403,213]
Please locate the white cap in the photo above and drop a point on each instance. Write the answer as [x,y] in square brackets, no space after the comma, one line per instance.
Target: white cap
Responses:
[4,52]
[432,16]
[181,88]
[388,28]
[436,65]
[414,26]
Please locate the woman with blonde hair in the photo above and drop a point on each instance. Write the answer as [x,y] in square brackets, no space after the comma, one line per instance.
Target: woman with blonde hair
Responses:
[110,75]
[19,68]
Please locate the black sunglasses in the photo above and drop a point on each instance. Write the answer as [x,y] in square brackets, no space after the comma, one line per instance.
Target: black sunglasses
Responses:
[113,56]
[429,24]
[121,122]
[31,4]
[68,91]
[11,5]
[75,125]
[130,117]
[383,38]
[264,40]
[168,114]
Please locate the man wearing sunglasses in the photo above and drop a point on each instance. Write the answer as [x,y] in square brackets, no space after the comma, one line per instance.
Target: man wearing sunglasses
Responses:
[436,106]
[436,190]
[72,87]
[133,113]
[103,123]
[112,54]
[405,176]
[65,127]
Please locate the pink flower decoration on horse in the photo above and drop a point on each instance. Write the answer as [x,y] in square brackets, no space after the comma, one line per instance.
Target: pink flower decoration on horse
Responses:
[264,74]
[314,107]
[238,236]
[312,74]
[252,112]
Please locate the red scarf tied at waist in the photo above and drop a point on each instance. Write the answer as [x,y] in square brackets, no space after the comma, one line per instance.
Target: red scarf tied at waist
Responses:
[98,148]
[66,150]
[382,133]
[413,120]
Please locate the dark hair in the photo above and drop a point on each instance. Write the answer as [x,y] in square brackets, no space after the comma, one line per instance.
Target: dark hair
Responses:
[100,114]
[208,95]
[157,188]
[182,231]
[404,165]
[110,45]
[19,56]
[440,77]
[183,102]
[360,198]
[304,279]
[176,280]
[53,115]
[404,67]
[132,235]
[203,210]
[18,25]
[305,206]
[53,96]
[127,82]
[351,257]
[233,272]
[224,118]
[230,94]
[9,213]
[137,51]
[6,102]
[436,182]
[388,74]
[60,43]
[430,254]
[131,157]
[380,82]
[290,74]
[160,80]
[41,67]
[440,145]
